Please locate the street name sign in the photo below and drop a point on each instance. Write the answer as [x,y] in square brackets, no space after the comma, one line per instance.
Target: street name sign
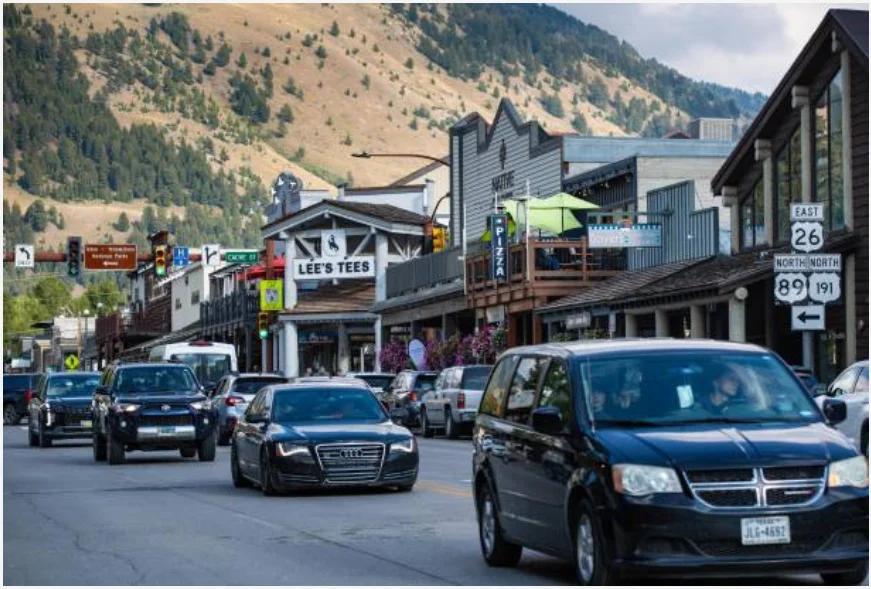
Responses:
[24,256]
[808,318]
[241,256]
[104,256]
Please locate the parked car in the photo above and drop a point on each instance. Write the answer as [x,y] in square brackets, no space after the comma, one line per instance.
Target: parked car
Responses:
[149,407]
[406,393]
[453,404]
[379,382]
[61,407]
[666,457]
[851,386]
[17,390]
[321,434]
[232,395]
[807,378]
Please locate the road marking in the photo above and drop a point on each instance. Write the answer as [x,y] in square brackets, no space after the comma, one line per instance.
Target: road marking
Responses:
[444,489]
[24,428]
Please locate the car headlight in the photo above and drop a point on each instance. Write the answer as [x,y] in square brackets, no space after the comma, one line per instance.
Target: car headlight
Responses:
[287,449]
[201,405]
[852,472]
[638,480]
[126,407]
[402,447]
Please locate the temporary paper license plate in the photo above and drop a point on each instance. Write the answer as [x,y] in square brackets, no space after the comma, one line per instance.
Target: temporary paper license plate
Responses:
[765,530]
[86,423]
[165,431]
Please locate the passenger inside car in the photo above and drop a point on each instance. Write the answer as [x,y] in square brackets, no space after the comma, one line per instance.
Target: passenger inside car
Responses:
[726,391]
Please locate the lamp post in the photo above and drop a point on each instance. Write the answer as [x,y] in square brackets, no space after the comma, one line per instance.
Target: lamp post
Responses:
[367,155]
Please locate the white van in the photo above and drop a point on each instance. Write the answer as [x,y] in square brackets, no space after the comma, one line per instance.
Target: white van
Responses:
[210,361]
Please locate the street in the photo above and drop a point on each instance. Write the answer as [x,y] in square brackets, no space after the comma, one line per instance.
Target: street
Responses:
[161,520]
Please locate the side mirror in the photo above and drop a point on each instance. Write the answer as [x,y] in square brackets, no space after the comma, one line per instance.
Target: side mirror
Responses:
[547,420]
[835,411]
[834,392]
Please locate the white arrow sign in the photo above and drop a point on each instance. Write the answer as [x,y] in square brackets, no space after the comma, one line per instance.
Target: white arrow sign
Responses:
[24,256]
[808,318]
[211,254]
[790,287]
[824,287]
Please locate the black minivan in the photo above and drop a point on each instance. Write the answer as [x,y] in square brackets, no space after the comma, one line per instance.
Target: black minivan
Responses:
[666,457]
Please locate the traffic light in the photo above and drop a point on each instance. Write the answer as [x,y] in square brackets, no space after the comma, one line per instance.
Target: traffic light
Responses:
[74,255]
[263,325]
[160,260]
[438,239]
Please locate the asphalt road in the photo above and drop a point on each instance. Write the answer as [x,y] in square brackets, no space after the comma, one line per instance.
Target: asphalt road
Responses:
[162,520]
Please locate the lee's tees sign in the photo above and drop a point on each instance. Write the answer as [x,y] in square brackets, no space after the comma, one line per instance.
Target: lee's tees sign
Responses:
[334,262]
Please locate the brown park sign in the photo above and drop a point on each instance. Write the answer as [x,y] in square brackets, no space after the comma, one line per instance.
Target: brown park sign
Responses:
[110,257]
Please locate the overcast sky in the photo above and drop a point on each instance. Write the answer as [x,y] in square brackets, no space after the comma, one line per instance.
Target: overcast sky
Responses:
[747,46]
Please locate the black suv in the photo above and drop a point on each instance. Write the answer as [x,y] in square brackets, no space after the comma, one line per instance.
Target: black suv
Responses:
[152,407]
[61,407]
[666,457]
[17,391]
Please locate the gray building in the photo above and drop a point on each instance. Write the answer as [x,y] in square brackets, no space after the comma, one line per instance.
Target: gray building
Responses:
[713,129]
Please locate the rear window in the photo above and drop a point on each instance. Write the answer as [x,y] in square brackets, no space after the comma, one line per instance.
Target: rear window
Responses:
[425,382]
[16,381]
[380,382]
[475,378]
[249,386]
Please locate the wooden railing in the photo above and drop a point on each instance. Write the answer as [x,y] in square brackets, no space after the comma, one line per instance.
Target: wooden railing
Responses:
[240,307]
[425,271]
[154,320]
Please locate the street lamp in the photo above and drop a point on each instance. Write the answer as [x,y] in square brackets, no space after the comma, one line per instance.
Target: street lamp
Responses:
[367,155]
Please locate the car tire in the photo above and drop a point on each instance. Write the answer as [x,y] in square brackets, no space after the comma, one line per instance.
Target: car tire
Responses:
[864,440]
[10,415]
[451,427]
[206,449]
[589,555]
[187,452]
[854,577]
[497,551]
[44,440]
[223,438]
[425,429]
[239,479]
[266,483]
[114,450]
[99,447]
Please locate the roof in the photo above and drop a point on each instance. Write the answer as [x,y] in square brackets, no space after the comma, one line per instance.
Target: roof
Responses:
[617,287]
[655,344]
[390,188]
[419,172]
[375,214]
[852,28]
[346,297]
[591,149]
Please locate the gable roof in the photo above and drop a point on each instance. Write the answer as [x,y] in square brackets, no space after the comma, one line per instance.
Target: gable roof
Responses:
[539,140]
[386,217]
[851,26]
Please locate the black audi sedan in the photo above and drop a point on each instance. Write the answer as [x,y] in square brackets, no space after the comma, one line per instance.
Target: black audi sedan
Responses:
[666,457]
[321,434]
[60,408]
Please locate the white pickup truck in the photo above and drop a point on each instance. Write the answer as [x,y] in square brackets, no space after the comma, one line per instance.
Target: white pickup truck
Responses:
[453,403]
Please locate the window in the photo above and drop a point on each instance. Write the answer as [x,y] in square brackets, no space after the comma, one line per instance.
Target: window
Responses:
[556,391]
[523,388]
[845,382]
[828,153]
[753,217]
[195,297]
[862,382]
[494,396]
[787,184]
[177,304]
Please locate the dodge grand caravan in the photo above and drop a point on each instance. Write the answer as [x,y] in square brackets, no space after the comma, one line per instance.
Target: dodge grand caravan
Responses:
[666,457]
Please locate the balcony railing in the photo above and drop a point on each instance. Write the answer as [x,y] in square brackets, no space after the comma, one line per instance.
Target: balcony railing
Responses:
[238,308]
[426,271]
[152,321]
[549,265]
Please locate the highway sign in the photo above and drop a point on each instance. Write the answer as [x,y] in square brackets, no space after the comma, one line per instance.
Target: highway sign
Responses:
[241,256]
[180,256]
[105,256]
[71,362]
[211,254]
[824,287]
[808,318]
[807,236]
[806,211]
[790,287]
[807,262]
[24,256]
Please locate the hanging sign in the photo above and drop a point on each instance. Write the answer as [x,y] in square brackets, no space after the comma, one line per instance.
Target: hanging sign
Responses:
[637,235]
[499,248]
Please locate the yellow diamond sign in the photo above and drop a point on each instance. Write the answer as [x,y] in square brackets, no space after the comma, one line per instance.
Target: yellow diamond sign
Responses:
[72,362]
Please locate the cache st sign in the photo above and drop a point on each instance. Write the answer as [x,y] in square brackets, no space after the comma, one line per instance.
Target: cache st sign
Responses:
[325,269]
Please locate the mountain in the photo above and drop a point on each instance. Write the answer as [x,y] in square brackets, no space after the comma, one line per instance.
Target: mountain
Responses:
[194,109]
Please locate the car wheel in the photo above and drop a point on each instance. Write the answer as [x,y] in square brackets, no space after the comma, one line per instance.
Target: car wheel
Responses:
[187,452]
[854,577]
[114,449]
[864,440]
[497,551]
[589,554]
[206,448]
[44,439]
[266,483]
[239,479]
[10,415]
[425,429]
[99,447]
[450,424]
[223,438]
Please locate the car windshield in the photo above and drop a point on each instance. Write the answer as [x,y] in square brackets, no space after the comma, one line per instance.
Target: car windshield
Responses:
[250,386]
[318,405]
[475,377]
[72,385]
[207,367]
[155,379]
[425,382]
[692,387]
[376,381]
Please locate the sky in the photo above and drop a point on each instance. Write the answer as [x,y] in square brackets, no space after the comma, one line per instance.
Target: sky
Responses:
[747,46]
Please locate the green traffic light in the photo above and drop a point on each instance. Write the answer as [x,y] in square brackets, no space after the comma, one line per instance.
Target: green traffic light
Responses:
[160,271]
[264,334]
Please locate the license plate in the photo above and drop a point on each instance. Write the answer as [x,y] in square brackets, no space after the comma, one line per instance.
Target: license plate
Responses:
[86,423]
[765,530]
[165,431]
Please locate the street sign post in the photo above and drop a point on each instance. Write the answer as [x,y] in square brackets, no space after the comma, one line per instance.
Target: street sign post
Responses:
[180,257]
[241,256]
[211,254]
[24,257]
[808,318]
[72,362]
[107,257]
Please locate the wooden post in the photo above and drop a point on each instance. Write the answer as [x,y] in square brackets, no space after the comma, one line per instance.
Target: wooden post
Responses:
[584,259]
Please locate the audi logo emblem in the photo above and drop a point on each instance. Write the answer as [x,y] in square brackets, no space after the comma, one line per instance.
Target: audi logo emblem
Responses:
[351,453]
[164,407]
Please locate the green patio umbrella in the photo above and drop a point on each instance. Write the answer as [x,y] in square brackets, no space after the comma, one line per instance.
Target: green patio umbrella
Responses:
[554,213]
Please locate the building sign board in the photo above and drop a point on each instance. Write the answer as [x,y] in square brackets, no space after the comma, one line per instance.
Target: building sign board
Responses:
[499,248]
[636,235]
[325,269]
[334,243]
[808,318]
[105,256]
[24,256]
[271,295]
[579,321]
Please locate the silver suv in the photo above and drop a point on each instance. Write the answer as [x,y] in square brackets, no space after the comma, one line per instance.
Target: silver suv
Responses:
[232,395]
[453,404]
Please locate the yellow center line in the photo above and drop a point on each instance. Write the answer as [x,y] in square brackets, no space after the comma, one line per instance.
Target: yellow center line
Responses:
[444,489]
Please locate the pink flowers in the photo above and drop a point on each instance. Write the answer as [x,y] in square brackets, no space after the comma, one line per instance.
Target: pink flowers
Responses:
[480,348]
[394,356]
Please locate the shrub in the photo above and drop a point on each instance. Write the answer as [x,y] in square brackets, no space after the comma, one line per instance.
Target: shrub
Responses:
[321,52]
[409,63]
